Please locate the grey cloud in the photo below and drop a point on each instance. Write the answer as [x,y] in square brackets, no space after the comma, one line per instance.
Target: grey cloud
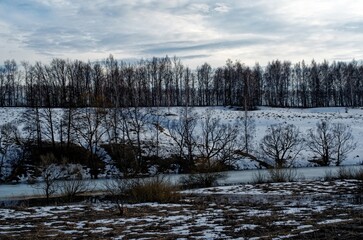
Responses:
[118,26]
[50,39]
[106,11]
[243,18]
[355,26]
[195,56]
[177,48]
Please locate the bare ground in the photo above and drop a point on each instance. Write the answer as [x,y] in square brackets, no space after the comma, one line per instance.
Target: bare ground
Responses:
[293,213]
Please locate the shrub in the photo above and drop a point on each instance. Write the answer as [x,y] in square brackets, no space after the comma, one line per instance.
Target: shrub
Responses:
[72,187]
[124,157]
[49,175]
[283,175]
[69,189]
[162,165]
[345,173]
[119,189]
[276,175]
[329,175]
[155,189]
[200,180]
[350,173]
[62,155]
[259,177]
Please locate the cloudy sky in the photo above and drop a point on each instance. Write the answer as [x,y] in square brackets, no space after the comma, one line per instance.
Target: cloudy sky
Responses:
[197,31]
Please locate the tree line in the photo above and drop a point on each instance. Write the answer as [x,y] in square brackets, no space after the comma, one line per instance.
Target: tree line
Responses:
[168,82]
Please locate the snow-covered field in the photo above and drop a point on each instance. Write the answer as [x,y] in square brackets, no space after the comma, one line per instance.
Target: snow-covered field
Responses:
[304,119]
[300,210]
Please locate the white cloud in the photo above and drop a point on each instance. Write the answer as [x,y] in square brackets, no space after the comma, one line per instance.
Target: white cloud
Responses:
[57,3]
[199,8]
[221,7]
[204,30]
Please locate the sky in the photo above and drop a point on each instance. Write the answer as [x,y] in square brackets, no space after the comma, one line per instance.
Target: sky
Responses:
[197,31]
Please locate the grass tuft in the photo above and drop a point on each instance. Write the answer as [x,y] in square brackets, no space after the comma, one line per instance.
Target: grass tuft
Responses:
[156,189]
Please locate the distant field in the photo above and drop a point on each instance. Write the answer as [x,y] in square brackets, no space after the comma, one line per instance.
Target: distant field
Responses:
[304,119]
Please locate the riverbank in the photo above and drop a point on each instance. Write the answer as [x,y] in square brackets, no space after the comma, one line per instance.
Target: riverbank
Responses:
[22,190]
[301,210]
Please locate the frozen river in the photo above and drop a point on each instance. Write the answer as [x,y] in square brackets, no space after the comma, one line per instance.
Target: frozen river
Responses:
[232,177]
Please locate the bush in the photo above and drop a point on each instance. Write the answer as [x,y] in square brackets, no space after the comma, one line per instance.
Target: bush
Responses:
[350,173]
[163,165]
[62,155]
[119,189]
[276,175]
[283,175]
[71,188]
[345,173]
[329,175]
[124,157]
[259,177]
[49,175]
[200,180]
[156,189]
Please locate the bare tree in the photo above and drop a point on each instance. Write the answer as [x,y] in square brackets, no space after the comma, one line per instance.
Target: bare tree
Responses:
[50,175]
[88,130]
[10,72]
[217,141]
[50,126]
[204,83]
[321,142]
[248,123]
[72,187]
[11,147]
[281,144]
[134,123]
[33,126]
[113,125]
[344,142]
[3,152]
[248,131]
[156,129]
[66,135]
[181,131]
[331,142]
[2,86]
[119,189]
[4,147]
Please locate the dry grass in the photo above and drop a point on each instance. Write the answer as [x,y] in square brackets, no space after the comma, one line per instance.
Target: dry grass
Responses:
[345,173]
[276,175]
[156,189]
